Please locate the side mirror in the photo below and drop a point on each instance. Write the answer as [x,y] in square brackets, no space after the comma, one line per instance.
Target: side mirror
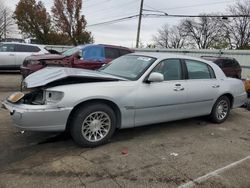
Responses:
[155,77]
[78,55]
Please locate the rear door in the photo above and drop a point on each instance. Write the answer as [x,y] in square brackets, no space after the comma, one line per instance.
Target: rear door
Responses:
[7,56]
[22,51]
[202,88]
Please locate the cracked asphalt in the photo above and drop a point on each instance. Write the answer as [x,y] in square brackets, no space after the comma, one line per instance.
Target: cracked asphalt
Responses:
[162,155]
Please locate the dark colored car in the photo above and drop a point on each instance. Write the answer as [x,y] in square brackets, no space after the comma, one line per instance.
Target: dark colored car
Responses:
[91,56]
[230,66]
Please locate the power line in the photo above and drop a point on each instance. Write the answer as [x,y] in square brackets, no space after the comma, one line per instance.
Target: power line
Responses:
[110,9]
[165,16]
[198,16]
[114,21]
[188,6]
[95,4]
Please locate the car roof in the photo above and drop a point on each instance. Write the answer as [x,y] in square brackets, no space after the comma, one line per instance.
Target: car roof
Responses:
[105,45]
[40,45]
[216,57]
[162,55]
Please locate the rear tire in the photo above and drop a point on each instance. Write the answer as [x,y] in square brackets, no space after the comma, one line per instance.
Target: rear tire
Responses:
[93,125]
[221,110]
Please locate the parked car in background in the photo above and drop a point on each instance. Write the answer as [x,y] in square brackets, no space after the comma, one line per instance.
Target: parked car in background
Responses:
[134,90]
[247,85]
[91,56]
[12,54]
[230,66]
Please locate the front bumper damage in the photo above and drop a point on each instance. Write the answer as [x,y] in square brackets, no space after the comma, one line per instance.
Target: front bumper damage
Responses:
[37,117]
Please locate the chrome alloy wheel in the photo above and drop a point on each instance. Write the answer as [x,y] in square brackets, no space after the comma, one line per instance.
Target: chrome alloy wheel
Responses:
[96,126]
[222,109]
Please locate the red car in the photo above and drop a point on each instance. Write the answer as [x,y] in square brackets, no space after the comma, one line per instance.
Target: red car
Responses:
[229,66]
[91,56]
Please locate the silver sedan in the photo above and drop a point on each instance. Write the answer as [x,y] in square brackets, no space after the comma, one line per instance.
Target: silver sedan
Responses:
[134,90]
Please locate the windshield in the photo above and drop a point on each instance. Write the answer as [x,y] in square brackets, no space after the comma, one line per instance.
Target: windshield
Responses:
[71,51]
[129,66]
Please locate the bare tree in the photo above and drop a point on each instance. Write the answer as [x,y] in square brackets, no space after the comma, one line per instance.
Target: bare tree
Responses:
[238,29]
[170,37]
[177,38]
[6,21]
[203,32]
[161,39]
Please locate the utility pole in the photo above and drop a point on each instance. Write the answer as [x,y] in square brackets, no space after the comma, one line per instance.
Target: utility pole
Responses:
[139,25]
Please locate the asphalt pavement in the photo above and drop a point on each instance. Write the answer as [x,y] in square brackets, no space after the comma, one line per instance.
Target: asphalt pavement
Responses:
[186,153]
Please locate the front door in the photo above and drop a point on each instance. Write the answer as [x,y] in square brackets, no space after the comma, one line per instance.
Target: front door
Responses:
[162,101]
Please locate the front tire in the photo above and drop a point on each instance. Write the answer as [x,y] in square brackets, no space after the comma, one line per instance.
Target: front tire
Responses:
[93,124]
[220,110]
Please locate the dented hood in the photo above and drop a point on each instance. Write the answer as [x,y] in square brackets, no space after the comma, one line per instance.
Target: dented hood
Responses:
[51,74]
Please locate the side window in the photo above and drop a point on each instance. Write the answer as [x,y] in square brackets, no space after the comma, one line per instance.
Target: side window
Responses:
[26,48]
[7,48]
[170,68]
[111,53]
[198,70]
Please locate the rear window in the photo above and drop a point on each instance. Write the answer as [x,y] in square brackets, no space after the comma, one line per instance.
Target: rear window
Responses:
[124,52]
[227,63]
[112,53]
[224,63]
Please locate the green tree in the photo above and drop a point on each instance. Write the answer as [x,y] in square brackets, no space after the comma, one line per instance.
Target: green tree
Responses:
[33,20]
[67,18]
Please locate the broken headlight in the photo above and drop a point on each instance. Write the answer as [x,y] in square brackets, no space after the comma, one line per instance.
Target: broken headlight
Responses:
[52,97]
[15,97]
[41,97]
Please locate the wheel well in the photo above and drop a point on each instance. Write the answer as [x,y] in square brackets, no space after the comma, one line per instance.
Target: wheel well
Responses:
[103,101]
[231,98]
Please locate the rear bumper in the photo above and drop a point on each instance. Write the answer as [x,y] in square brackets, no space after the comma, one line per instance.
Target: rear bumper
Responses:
[240,100]
[38,117]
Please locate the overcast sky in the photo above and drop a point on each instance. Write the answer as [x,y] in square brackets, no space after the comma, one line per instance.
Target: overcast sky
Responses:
[124,33]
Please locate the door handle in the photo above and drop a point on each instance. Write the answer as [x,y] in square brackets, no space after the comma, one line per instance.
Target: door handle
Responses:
[11,54]
[215,86]
[178,88]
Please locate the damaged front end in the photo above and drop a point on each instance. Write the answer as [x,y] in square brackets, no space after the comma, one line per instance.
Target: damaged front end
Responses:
[37,110]
[40,106]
